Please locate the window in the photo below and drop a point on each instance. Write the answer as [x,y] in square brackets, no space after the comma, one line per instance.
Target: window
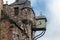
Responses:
[25,21]
[2,12]
[16,11]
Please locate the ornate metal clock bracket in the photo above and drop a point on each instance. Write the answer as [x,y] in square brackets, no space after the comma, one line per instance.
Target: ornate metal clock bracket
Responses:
[39,35]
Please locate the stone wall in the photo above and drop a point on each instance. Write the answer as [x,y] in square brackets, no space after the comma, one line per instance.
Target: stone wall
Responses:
[9,31]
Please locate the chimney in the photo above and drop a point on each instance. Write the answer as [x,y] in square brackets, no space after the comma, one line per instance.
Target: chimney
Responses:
[1,7]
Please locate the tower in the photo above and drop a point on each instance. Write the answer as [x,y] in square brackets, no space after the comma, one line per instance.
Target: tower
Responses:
[1,6]
[16,21]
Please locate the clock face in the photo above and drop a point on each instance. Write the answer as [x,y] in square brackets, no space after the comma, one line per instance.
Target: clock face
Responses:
[40,24]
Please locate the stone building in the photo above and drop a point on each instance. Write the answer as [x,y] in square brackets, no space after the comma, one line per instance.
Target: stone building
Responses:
[16,20]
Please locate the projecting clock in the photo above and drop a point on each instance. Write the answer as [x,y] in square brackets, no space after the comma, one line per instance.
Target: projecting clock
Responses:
[40,24]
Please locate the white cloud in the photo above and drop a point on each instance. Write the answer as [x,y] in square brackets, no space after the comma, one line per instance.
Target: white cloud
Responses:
[53,28]
[9,1]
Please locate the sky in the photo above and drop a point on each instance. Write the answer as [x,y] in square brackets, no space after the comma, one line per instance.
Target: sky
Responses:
[51,9]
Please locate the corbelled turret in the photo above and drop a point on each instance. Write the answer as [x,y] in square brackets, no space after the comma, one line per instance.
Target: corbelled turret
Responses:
[20,0]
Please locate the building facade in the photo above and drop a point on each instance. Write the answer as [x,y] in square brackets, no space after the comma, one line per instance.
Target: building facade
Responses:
[16,20]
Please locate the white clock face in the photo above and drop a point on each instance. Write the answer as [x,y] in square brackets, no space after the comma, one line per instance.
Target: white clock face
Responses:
[40,24]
